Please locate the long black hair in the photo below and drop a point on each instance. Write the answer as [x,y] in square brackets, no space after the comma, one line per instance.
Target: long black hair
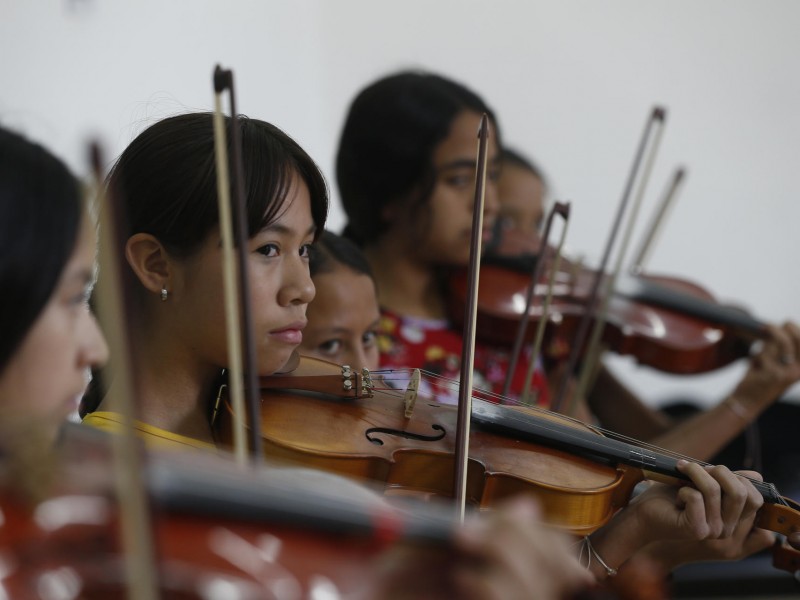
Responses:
[386,148]
[40,213]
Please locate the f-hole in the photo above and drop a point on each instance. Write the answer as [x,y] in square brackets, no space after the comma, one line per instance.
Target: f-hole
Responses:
[404,434]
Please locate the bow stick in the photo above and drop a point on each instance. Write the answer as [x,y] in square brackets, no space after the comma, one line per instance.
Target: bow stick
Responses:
[233,228]
[563,210]
[666,202]
[470,318]
[114,313]
[656,116]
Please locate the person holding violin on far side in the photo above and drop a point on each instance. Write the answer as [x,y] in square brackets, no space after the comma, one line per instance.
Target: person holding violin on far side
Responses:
[521,192]
[47,247]
[344,316]
[406,174]
[406,168]
[167,180]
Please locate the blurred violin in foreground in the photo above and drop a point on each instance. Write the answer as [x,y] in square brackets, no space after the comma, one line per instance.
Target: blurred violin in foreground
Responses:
[219,530]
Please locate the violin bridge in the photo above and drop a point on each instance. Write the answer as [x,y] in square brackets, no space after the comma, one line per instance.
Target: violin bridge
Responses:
[410,397]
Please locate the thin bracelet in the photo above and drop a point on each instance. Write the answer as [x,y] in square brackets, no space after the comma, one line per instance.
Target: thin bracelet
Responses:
[737,408]
[610,572]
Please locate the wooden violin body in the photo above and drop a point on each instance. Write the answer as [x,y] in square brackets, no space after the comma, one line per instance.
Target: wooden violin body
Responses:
[659,337]
[369,437]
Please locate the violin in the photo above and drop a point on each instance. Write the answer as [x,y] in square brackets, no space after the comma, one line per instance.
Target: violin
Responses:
[332,418]
[218,530]
[671,324]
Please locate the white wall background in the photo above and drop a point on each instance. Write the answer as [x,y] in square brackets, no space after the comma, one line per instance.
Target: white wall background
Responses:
[572,82]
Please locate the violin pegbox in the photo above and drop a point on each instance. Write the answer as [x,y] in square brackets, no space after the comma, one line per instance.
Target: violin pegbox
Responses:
[323,377]
[359,385]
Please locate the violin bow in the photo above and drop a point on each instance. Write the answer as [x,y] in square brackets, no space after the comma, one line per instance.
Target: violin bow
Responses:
[664,205]
[470,318]
[657,116]
[593,351]
[233,229]
[114,312]
[752,458]
[557,209]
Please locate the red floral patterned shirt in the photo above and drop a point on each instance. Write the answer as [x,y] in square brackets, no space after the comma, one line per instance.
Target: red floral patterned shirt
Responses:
[432,345]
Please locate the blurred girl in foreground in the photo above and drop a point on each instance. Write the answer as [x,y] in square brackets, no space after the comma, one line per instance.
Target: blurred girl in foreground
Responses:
[47,248]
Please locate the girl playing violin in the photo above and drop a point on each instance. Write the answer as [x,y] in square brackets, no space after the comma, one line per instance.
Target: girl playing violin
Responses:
[344,316]
[50,339]
[521,192]
[406,170]
[173,250]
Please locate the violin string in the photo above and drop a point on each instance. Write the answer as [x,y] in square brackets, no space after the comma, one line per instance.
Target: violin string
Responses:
[403,375]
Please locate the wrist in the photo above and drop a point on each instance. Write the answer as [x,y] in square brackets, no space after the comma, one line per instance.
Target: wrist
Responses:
[592,560]
[740,409]
[746,407]
[615,543]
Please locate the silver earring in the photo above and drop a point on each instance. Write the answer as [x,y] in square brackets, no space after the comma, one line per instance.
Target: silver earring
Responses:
[164,294]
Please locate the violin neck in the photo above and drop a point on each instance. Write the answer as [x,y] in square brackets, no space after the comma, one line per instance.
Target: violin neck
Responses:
[648,292]
[586,444]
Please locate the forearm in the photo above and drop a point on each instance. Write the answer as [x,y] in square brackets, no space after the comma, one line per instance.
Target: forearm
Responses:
[622,411]
[703,435]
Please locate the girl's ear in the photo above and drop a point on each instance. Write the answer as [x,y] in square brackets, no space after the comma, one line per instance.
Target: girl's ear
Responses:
[149,260]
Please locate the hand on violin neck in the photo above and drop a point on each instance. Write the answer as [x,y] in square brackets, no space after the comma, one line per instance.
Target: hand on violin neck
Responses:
[710,519]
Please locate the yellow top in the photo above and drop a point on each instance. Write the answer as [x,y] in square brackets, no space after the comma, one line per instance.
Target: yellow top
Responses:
[153,436]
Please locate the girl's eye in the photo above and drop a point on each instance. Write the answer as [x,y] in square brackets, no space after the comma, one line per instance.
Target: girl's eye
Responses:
[459,179]
[268,250]
[330,347]
[369,338]
[305,251]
